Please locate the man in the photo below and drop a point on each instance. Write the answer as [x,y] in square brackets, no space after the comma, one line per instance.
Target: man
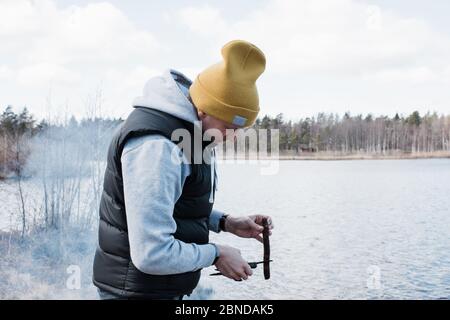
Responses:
[156,209]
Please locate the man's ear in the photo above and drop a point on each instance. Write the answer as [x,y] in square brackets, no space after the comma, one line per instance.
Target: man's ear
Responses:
[201,114]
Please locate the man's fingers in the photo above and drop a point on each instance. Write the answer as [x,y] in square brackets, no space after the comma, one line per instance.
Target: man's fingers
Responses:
[256,226]
[259,238]
[259,218]
[248,270]
[243,274]
[236,276]
[232,274]
[229,272]
[270,222]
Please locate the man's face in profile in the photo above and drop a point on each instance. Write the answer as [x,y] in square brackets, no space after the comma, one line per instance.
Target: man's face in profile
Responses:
[220,129]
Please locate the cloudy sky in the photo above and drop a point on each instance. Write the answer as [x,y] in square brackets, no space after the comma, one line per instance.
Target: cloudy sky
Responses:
[362,56]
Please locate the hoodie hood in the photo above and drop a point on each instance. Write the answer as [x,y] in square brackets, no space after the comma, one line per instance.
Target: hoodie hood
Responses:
[169,93]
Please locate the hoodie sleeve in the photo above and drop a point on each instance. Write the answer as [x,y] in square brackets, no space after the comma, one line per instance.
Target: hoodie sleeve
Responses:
[214,218]
[152,185]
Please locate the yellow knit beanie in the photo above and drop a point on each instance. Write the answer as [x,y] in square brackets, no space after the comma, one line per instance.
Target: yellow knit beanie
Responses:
[227,90]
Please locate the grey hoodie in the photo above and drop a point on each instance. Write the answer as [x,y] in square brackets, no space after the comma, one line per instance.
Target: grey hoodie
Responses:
[151,226]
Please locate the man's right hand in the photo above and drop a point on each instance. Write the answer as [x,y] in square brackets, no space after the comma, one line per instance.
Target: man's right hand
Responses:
[231,264]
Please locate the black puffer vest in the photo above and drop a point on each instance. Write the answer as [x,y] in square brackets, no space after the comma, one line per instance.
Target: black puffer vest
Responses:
[113,269]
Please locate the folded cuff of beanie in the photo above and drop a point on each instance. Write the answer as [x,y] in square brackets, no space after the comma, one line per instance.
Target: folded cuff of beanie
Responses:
[213,106]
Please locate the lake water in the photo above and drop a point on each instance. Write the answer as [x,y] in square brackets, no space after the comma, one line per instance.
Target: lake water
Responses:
[343,229]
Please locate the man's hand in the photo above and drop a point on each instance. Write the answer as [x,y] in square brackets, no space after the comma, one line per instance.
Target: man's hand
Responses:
[231,264]
[248,227]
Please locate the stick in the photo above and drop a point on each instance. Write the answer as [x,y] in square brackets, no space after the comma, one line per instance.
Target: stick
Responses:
[266,244]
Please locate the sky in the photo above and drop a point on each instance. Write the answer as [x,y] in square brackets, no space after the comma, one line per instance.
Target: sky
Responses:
[359,56]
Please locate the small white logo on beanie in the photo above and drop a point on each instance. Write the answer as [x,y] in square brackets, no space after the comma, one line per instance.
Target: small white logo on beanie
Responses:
[239,121]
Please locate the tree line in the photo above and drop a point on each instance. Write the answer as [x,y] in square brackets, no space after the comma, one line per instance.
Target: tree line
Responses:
[362,134]
[19,131]
[323,132]
[15,131]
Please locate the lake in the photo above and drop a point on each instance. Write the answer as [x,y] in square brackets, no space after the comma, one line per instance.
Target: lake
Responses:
[373,229]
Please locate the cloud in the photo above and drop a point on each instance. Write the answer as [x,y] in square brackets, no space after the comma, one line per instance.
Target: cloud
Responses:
[330,55]
[46,73]
[335,56]
[96,32]
[73,48]
[204,20]
[5,72]
[415,75]
[333,37]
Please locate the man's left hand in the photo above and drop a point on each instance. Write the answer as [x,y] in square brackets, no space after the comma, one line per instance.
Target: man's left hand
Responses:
[248,227]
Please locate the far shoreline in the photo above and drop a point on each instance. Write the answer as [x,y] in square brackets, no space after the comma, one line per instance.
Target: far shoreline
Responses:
[326,156]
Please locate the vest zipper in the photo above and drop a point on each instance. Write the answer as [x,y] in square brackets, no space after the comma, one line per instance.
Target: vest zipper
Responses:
[213,175]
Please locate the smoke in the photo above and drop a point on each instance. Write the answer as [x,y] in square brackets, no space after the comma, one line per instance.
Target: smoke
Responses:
[48,246]
[36,267]
[55,230]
